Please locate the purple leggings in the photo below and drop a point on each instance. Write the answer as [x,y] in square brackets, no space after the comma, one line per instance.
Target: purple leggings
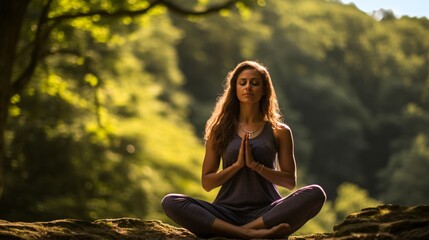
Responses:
[197,215]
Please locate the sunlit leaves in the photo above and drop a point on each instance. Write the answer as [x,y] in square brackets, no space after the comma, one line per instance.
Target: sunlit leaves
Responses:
[66,6]
[126,20]
[244,10]
[100,33]
[137,4]
[58,35]
[413,109]
[96,24]
[14,110]
[55,85]
[351,198]
[91,79]
[99,134]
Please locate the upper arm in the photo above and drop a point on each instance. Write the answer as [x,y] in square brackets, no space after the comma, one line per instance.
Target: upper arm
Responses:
[211,160]
[286,156]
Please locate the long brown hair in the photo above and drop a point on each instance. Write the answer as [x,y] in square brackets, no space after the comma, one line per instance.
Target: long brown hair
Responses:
[221,126]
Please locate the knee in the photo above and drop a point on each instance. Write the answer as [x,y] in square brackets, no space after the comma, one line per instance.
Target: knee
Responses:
[170,201]
[318,193]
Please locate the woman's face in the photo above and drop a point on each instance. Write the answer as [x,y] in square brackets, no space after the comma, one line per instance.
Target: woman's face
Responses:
[250,86]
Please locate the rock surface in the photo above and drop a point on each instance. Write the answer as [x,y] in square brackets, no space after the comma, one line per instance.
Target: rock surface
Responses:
[385,222]
[382,222]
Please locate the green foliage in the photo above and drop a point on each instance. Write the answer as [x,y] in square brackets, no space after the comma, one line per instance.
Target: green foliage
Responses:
[343,79]
[405,178]
[207,54]
[352,198]
[101,132]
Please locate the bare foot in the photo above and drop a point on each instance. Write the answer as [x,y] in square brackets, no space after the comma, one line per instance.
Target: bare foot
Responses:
[280,231]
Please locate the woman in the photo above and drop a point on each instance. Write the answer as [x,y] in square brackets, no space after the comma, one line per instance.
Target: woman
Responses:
[247,133]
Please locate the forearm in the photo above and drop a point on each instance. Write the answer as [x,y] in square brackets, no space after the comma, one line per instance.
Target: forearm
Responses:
[280,178]
[216,179]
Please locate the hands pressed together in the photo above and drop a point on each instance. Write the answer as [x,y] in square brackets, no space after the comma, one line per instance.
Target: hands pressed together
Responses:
[245,157]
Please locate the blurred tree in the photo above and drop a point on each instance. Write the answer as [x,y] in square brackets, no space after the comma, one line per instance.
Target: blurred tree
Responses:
[306,55]
[343,79]
[36,20]
[70,153]
[405,180]
[205,60]
[345,204]
[89,122]
[351,127]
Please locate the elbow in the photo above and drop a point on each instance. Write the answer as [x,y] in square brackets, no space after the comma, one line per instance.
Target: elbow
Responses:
[292,181]
[290,187]
[206,186]
[291,184]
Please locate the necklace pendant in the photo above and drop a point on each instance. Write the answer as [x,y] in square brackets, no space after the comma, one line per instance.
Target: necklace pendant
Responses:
[250,133]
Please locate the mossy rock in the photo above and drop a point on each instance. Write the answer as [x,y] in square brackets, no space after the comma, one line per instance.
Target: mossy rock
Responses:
[383,222]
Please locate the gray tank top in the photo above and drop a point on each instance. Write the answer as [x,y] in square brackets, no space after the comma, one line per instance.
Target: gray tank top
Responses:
[248,191]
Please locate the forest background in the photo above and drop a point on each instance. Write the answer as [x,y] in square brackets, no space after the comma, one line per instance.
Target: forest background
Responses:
[114,114]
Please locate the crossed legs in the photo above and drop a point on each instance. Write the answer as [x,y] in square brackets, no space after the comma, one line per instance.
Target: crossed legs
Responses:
[281,219]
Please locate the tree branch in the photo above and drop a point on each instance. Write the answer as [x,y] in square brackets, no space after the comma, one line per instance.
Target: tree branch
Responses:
[46,25]
[182,11]
[63,51]
[39,38]
[105,13]
[131,13]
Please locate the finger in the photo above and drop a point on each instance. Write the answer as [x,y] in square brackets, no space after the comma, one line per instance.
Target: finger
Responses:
[248,150]
[247,141]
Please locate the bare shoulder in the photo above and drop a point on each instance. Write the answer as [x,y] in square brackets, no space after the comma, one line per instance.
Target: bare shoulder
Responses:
[283,135]
[282,130]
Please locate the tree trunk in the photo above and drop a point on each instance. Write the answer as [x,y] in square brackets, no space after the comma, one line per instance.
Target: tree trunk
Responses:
[12,13]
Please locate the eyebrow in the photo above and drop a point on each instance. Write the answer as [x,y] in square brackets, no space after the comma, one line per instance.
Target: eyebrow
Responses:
[250,79]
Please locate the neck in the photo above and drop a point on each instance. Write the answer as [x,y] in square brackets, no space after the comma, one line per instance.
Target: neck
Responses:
[250,114]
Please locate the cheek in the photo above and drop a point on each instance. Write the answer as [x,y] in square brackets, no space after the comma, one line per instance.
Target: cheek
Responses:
[261,90]
[238,88]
